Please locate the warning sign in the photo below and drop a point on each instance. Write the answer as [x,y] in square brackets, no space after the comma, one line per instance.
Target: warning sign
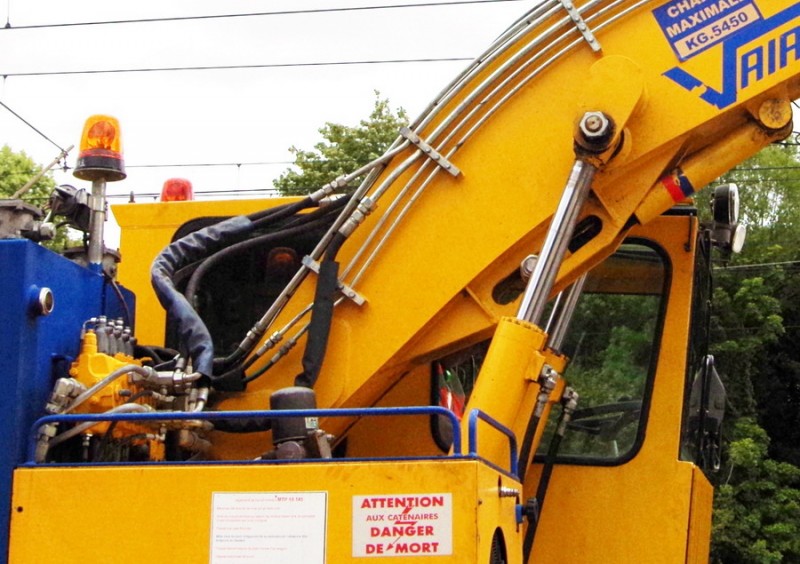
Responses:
[275,527]
[403,525]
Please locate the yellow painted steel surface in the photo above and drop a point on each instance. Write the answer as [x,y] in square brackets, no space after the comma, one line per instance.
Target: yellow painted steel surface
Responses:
[508,125]
[422,511]
[687,107]
[700,518]
[514,146]
[648,509]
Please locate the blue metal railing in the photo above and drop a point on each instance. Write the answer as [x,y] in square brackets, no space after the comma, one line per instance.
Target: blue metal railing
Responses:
[476,414]
[260,414]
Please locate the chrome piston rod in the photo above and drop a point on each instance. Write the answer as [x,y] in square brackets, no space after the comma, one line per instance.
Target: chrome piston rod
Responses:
[559,234]
[558,325]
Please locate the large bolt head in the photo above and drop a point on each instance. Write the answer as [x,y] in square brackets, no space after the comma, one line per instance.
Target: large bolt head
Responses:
[594,125]
[595,132]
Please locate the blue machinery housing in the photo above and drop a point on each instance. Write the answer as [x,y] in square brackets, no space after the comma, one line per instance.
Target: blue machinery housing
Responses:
[37,347]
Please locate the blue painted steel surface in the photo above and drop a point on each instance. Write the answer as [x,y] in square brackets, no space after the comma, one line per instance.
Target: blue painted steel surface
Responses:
[31,346]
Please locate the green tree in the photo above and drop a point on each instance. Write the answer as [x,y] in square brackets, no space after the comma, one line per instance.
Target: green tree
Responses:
[344,150]
[748,318]
[16,169]
[757,513]
[755,330]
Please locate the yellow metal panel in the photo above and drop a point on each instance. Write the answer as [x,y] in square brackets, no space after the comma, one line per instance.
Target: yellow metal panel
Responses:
[165,514]
[500,391]
[700,519]
[630,514]
[410,436]
[638,511]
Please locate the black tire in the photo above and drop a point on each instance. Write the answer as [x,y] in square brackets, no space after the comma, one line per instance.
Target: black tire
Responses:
[498,553]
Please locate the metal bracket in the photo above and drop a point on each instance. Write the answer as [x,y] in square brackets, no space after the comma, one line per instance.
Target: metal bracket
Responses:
[432,153]
[346,290]
[581,25]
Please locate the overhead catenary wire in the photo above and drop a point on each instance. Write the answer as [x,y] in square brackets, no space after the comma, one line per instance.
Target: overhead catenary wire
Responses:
[240,67]
[397,6]
[790,168]
[33,127]
[9,27]
[226,192]
[178,165]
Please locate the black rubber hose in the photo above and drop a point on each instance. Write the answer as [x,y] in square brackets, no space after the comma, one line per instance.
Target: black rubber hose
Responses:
[306,224]
[158,354]
[302,224]
[541,491]
[260,220]
[192,331]
[254,425]
[232,361]
[527,445]
[321,315]
[233,379]
[265,217]
[241,247]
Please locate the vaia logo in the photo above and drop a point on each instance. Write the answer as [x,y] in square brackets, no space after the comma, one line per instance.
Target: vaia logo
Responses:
[753,48]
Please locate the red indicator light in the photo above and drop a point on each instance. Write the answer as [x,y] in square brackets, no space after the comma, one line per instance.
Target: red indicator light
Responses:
[177,190]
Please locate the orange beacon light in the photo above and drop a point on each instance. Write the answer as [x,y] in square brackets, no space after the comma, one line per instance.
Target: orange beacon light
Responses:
[100,155]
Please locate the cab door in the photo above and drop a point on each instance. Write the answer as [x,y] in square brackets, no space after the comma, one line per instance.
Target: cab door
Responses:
[619,491]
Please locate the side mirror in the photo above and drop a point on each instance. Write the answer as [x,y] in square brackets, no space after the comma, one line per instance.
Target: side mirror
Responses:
[707,408]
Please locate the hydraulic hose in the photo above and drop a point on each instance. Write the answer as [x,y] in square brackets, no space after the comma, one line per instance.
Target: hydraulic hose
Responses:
[569,402]
[321,314]
[527,445]
[304,224]
[228,368]
[145,371]
[193,333]
[80,428]
[541,491]
[268,215]
[547,382]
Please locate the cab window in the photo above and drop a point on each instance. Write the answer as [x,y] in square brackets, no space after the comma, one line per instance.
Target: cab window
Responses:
[612,346]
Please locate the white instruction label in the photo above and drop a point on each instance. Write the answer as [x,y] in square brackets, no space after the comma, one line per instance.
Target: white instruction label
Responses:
[275,527]
[403,525]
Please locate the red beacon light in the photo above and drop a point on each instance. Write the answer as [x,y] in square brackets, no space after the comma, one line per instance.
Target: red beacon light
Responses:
[100,156]
[177,190]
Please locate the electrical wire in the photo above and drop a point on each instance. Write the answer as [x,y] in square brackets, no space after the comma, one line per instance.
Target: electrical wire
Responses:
[761,265]
[267,192]
[29,124]
[233,67]
[253,163]
[256,14]
[121,298]
[243,67]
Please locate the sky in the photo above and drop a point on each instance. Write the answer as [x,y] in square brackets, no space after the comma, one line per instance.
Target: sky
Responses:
[222,117]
